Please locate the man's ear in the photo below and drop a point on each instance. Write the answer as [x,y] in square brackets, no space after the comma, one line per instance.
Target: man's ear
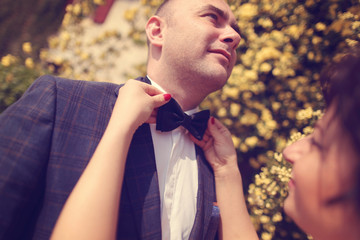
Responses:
[154,30]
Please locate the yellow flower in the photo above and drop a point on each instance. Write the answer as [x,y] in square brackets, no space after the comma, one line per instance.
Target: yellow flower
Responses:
[265,67]
[6,61]
[251,141]
[136,36]
[27,48]
[236,141]
[44,53]
[268,53]
[155,3]
[99,2]
[308,130]
[247,11]
[304,114]
[65,36]
[295,137]
[309,3]
[267,7]
[221,112]
[243,147]
[69,8]
[266,115]
[320,26]
[251,75]
[295,31]
[277,217]
[266,23]
[53,42]
[266,236]
[235,109]
[276,72]
[29,63]
[311,55]
[347,15]
[58,60]
[130,14]
[67,18]
[231,92]
[355,25]
[316,40]
[351,42]
[84,56]
[276,106]
[76,9]
[264,219]
[247,95]
[249,118]
[278,157]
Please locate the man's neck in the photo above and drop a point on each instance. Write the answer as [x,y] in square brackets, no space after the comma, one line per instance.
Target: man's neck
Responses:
[186,97]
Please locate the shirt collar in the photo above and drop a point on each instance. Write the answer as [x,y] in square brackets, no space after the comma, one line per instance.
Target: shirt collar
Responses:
[153,83]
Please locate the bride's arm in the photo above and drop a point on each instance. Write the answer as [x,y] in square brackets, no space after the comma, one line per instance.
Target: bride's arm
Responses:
[91,211]
[235,222]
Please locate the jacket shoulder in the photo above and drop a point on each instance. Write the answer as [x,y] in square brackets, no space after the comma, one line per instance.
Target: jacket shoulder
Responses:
[60,82]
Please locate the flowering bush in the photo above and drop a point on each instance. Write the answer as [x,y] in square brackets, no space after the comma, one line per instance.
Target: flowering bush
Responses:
[76,54]
[16,75]
[269,189]
[64,54]
[272,94]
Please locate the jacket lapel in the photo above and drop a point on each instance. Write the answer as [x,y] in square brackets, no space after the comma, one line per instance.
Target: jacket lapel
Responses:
[142,182]
[204,219]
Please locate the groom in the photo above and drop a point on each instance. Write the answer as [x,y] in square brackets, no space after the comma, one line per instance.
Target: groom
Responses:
[49,135]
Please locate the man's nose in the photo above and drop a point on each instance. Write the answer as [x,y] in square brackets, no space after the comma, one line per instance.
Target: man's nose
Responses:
[231,37]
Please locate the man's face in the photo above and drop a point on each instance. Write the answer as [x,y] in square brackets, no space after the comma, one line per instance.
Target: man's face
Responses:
[200,41]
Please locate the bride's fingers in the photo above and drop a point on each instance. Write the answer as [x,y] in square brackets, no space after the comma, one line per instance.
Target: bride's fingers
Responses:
[152,118]
[160,99]
[208,144]
[205,143]
[196,141]
[218,130]
[206,136]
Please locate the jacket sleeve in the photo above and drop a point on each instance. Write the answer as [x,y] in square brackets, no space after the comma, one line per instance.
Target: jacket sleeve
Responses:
[25,141]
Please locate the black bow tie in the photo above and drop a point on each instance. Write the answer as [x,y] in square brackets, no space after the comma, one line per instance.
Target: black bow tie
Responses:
[171,116]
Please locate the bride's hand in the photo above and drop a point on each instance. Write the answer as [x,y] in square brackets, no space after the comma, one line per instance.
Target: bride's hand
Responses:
[137,103]
[218,147]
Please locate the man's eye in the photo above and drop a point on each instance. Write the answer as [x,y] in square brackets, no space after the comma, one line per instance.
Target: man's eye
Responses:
[213,16]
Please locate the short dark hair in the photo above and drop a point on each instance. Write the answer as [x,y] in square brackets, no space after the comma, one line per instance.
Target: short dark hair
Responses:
[160,9]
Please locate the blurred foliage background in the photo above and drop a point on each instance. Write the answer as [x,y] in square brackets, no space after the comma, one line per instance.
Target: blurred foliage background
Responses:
[271,99]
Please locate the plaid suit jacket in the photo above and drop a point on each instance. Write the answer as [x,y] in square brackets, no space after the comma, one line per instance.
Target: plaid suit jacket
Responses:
[46,140]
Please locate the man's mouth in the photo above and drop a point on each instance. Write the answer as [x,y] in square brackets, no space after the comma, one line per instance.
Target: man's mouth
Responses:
[223,52]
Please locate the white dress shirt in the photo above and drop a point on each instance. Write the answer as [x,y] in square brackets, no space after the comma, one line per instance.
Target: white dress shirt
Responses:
[177,170]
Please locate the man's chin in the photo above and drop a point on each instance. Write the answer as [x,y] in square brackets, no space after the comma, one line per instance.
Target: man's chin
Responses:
[221,74]
[218,84]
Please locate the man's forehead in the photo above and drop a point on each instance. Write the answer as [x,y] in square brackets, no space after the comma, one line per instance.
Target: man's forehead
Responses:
[199,3]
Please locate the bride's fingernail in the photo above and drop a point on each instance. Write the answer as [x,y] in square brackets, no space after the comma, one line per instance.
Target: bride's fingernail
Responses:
[212,120]
[167,96]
